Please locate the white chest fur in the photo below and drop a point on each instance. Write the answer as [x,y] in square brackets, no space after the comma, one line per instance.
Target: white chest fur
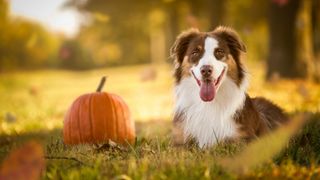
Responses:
[209,122]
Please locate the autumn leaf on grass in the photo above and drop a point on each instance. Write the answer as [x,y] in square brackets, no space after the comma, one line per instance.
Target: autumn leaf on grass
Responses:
[25,163]
[264,149]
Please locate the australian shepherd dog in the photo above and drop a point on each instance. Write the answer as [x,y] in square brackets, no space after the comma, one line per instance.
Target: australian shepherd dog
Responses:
[211,103]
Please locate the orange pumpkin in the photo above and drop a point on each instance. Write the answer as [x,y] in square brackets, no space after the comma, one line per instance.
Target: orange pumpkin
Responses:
[98,117]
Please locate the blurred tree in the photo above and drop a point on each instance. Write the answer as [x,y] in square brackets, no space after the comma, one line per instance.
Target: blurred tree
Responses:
[74,56]
[316,36]
[3,10]
[291,39]
[3,28]
[249,18]
[24,44]
[157,35]
[217,9]
[151,26]
[121,23]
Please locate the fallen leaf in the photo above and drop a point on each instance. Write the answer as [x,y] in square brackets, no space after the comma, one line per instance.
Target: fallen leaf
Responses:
[25,163]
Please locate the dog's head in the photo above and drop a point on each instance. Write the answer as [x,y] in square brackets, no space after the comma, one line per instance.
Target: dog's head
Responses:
[209,57]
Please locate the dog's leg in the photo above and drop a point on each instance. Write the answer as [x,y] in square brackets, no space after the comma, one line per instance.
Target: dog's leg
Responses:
[177,135]
[178,138]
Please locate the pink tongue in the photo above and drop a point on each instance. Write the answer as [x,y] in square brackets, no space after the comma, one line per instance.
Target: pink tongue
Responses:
[207,91]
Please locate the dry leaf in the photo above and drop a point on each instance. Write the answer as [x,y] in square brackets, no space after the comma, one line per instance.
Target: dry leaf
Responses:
[25,163]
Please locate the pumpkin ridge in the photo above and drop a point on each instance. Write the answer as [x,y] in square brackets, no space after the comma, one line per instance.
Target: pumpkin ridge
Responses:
[124,122]
[74,121]
[107,134]
[78,119]
[128,121]
[90,115]
[119,101]
[98,114]
[119,104]
[115,117]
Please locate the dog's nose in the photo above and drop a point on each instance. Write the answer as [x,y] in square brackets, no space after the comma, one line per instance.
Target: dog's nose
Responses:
[206,70]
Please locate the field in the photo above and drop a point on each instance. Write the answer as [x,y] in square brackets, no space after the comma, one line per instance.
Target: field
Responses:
[33,104]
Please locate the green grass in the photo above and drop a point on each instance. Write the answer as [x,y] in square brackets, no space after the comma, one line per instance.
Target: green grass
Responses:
[33,104]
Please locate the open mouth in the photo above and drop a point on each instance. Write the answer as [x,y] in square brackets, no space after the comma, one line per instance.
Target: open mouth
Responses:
[208,87]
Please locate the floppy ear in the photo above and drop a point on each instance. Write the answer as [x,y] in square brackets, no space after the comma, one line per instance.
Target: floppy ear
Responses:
[233,40]
[180,46]
[235,45]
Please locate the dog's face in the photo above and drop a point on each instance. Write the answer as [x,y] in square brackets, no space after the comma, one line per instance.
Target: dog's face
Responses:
[209,58]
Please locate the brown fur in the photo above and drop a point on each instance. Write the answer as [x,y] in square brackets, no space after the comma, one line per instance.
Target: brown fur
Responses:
[233,70]
[185,66]
[177,131]
[179,48]
[258,117]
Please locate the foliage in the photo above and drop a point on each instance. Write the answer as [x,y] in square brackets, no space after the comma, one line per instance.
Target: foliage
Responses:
[3,11]
[24,43]
[305,142]
[146,23]
[256,152]
[37,102]
[153,157]
[72,55]
[143,34]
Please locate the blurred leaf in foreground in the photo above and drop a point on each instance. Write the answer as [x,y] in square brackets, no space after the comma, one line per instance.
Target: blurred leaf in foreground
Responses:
[25,163]
[101,17]
[264,149]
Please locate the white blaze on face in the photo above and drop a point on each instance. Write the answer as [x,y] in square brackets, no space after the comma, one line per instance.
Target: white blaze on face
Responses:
[208,89]
[208,58]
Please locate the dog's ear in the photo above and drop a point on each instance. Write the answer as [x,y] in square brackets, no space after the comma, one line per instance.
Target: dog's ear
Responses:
[180,46]
[232,38]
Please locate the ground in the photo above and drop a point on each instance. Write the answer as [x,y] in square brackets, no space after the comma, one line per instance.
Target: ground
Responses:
[33,105]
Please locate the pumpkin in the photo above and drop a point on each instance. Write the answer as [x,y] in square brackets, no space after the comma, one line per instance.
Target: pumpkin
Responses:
[97,118]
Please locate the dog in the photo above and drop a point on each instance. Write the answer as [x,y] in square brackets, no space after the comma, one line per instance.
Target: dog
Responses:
[211,103]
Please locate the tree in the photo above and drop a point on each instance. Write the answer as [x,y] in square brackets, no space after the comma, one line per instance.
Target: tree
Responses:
[3,10]
[291,39]
[316,36]
[129,31]
[23,43]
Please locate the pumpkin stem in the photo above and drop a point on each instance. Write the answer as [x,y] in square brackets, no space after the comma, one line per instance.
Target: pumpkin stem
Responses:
[102,81]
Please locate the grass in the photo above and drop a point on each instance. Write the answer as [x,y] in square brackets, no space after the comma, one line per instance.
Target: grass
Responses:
[33,104]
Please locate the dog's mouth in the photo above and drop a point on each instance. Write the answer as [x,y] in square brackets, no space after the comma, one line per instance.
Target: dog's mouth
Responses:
[209,86]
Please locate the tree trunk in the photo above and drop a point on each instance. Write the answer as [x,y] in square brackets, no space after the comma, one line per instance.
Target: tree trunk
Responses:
[172,27]
[216,8]
[304,64]
[316,36]
[290,48]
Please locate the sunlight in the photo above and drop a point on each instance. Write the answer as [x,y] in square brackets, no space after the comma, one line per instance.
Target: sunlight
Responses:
[48,13]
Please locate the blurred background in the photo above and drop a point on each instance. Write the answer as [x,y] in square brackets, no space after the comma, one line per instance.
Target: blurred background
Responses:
[53,51]
[86,34]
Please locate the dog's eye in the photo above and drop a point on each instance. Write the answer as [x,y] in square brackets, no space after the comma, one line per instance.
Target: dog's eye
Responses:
[219,53]
[195,53]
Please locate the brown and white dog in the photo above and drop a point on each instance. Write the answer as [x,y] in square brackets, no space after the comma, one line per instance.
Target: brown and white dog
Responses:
[211,103]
